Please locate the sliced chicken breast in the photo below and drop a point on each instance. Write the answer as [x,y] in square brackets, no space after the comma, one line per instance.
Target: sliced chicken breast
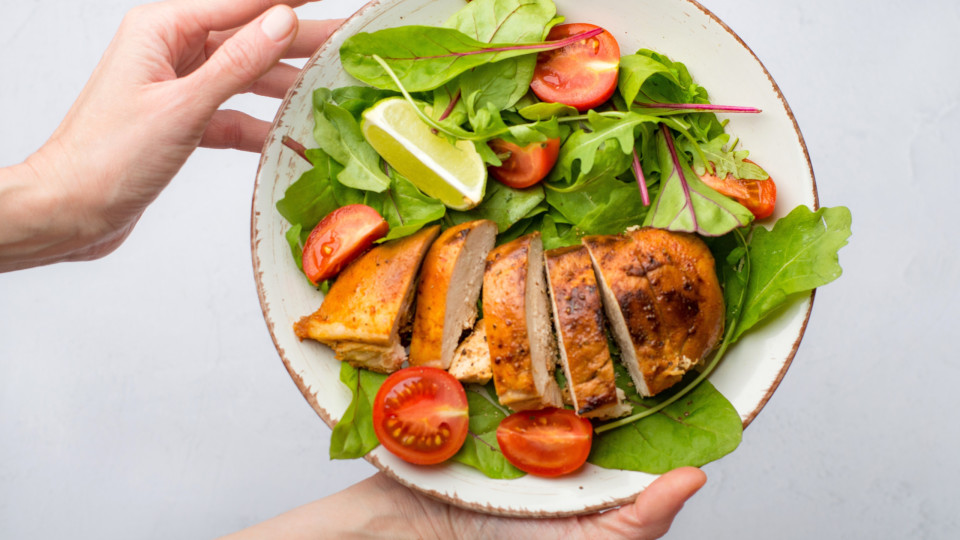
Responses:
[517,321]
[471,360]
[663,299]
[581,336]
[449,288]
[361,314]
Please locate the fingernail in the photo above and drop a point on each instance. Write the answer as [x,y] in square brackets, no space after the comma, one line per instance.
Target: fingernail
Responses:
[278,24]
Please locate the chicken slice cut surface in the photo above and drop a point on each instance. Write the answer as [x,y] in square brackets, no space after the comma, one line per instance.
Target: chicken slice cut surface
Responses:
[517,322]
[581,335]
[663,299]
[361,314]
[471,360]
[449,288]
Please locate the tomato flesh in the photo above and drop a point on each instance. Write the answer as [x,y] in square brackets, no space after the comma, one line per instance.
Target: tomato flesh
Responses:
[758,196]
[548,442]
[583,74]
[420,414]
[526,165]
[339,238]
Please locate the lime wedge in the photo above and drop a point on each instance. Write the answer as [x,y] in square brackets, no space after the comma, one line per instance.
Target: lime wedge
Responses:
[455,174]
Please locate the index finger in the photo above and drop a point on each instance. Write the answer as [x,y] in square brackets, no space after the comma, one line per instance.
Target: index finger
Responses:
[226,14]
[310,36]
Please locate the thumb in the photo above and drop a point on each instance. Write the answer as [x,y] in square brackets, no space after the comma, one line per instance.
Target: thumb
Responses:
[246,56]
[655,508]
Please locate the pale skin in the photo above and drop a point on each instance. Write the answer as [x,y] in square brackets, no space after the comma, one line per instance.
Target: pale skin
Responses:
[153,99]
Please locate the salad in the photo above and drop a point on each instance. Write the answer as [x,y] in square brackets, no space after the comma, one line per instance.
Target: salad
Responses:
[647,150]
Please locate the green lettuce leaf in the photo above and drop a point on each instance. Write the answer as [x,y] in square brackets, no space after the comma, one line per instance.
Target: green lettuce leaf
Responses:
[503,205]
[353,435]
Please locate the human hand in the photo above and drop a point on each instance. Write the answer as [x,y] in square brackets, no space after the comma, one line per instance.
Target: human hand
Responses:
[153,98]
[379,507]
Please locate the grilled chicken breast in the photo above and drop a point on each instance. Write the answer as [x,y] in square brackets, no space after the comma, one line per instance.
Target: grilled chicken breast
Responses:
[448,291]
[471,360]
[361,316]
[517,321]
[663,300]
[579,322]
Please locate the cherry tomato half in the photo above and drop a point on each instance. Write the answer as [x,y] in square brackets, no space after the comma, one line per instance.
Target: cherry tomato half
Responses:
[420,414]
[526,165]
[548,442]
[758,196]
[340,238]
[583,74]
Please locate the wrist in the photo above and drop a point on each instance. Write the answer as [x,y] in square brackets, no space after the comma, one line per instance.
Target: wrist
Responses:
[40,215]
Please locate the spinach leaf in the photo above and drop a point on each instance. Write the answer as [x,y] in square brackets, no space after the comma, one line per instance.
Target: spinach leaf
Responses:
[636,69]
[338,134]
[313,195]
[357,99]
[609,207]
[556,234]
[688,205]
[353,435]
[296,245]
[481,450]
[697,429]
[405,207]
[501,84]
[426,57]
[503,205]
[799,254]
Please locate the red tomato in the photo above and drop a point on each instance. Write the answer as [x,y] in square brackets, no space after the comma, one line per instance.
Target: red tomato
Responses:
[759,196]
[340,238]
[583,74]
[526,165]
[549,442]
[420,414]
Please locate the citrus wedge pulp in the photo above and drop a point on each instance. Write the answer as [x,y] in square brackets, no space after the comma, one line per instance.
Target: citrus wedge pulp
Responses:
[453,173]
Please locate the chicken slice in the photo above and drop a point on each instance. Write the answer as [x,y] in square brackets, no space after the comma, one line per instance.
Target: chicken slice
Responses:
[361,315]
[471,360]
[579,322]
[663,299]
[517,321]
[448,291]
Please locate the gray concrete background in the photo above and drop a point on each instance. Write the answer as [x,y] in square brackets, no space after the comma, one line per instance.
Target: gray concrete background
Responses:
[141,396]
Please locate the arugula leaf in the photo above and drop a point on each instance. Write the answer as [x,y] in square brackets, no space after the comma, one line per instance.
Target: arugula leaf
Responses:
[686,204]
[799,254]
[695,430]
[338,134]
[715,157]
[481,450]
[353,435]
[426,57]
[579,152]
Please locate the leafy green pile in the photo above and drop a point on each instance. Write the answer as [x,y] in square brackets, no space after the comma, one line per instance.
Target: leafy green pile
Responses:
[469,80]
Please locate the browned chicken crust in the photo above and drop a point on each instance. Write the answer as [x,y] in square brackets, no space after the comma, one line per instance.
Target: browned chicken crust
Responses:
[517,322]
[361,314]
[578,318]
[663,299]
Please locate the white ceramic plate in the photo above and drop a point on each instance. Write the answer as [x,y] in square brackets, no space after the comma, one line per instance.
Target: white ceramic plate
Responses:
[717,59]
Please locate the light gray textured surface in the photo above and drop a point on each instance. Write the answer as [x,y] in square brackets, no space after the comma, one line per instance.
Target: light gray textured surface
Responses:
[141,396]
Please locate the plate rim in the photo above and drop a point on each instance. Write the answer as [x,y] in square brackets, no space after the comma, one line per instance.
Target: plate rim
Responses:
[371,457]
